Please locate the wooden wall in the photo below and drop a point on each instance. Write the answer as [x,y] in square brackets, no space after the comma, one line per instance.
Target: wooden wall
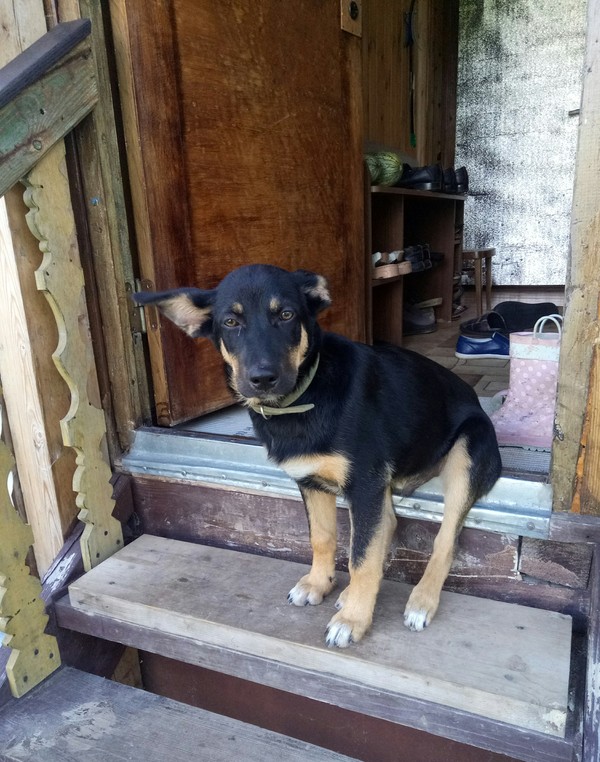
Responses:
[387,78]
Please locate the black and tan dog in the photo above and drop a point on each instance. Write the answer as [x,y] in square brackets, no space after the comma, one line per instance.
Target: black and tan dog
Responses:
[343,418]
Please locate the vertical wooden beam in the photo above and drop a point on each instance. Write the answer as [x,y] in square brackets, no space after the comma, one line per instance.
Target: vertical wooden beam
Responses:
[20,25]
[577,422]
[24,409]
[60,277]
[105,241]
[34,655]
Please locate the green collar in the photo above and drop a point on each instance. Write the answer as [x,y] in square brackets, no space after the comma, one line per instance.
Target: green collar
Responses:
[284,406]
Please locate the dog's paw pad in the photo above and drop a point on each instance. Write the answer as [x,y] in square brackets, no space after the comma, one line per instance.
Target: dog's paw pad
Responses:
[339,635]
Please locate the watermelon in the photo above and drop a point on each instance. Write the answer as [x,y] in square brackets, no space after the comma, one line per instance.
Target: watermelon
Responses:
[390,168]
[373,167]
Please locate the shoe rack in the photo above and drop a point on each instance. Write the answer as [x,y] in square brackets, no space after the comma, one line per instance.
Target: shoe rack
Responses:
[397,218]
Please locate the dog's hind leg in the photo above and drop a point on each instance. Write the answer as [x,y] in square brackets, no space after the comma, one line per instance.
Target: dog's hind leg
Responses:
[320,581]
[458,498]
[370,543]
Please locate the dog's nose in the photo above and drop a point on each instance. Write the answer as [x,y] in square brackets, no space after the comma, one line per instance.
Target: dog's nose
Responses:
[263,378]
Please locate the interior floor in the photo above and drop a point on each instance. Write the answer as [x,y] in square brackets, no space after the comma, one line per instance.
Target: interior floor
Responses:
[487,377]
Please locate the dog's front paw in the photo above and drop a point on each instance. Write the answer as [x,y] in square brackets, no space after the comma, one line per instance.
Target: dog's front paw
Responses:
[341,631]
[307,592]
[420,610]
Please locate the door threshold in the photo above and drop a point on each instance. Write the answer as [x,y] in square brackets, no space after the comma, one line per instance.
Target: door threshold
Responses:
[220,450]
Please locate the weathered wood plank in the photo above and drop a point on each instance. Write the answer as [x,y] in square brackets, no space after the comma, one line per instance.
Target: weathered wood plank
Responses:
[357,734]
[576,398]
[242,608]
[44,112]
[54,395]
[75,715]
[105,243]
[24,407]
[21,25]
[416,713]
[561,563]
[30,65]
[574,527]
[485,563]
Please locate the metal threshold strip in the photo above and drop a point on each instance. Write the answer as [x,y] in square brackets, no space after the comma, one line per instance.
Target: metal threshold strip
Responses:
[514,506]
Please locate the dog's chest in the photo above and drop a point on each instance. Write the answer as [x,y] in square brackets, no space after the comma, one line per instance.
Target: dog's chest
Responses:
[328,472]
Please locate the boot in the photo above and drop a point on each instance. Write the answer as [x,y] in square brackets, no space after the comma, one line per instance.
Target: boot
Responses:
[526,418]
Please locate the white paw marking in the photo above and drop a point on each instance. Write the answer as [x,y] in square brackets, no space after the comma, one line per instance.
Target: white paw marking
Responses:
[416,620]
[302,595]
[338,635]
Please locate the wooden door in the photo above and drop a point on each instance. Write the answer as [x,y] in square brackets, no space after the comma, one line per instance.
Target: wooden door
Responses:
[244,145]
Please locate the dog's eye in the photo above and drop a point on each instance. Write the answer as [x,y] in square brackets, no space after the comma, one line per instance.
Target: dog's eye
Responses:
[286,315]
[230,322]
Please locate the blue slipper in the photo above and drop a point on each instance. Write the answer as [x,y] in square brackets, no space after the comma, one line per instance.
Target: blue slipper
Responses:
[496,346]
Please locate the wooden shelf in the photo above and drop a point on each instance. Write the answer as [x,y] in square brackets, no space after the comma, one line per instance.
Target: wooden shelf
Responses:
[391,190]
[401,217]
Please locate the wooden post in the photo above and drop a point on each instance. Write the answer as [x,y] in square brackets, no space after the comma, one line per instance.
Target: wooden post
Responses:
[576,453]
[60,277]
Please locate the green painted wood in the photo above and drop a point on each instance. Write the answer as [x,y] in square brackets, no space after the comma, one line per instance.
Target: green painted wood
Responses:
[40,57]
[42,113]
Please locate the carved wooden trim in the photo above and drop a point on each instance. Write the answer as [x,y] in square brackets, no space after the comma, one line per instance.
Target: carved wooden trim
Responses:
[60,277]
[34,654]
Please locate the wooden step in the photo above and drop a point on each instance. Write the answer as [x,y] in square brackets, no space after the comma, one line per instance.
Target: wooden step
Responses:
[227,611]
[74,716]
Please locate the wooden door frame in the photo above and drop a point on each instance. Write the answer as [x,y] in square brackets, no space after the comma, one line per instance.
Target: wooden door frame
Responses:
[576,450]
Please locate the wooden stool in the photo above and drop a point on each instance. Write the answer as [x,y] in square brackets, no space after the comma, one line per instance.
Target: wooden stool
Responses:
[477,256]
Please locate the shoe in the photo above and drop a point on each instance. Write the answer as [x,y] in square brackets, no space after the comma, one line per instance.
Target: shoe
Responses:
[462,180]
[419,257]
[507,317]
[496,346]
[418,320]
[449,184]
[421,178]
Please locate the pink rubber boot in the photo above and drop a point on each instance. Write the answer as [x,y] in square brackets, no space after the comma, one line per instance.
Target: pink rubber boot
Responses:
[526,418]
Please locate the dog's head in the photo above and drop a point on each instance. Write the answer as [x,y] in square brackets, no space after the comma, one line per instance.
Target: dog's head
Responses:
[261,318]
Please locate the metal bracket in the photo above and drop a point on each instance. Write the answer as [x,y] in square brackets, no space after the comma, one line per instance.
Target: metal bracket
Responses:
[137,315]
[351,17]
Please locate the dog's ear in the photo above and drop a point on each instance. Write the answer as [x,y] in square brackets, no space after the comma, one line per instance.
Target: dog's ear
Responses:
[315,289]
[189,308]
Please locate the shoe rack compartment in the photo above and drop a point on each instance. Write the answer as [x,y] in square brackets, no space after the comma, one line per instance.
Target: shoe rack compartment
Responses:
[400,218]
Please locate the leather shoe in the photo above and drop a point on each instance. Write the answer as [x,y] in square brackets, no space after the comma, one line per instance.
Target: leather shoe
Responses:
[462,180]
[496,346]
[421,178]
[449,184]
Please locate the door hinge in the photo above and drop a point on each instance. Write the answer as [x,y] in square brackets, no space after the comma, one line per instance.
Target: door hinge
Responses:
[137,314]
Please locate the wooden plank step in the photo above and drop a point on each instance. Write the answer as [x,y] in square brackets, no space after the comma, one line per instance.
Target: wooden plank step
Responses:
[217,608]
[74,716]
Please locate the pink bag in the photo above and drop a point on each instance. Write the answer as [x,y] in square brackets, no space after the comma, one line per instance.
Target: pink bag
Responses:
[526,418]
